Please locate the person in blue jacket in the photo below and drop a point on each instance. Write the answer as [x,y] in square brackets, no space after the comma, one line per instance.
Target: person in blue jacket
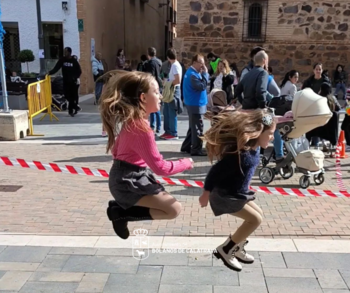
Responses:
[195,98]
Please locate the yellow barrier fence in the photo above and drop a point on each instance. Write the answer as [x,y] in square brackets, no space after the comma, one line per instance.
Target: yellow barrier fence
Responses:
[39,101]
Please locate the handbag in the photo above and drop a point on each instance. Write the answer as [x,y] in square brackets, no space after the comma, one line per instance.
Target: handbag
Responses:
[281,105]
[168,92]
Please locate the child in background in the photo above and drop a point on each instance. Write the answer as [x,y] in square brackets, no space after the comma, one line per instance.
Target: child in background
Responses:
[126,103]
[234,141]
[127,66]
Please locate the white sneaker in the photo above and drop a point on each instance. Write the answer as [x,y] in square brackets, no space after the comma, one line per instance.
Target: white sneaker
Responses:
[228,258]
[242,255]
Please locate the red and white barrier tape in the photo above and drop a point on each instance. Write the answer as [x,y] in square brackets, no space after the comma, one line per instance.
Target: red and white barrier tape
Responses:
[172,181]
[338,172]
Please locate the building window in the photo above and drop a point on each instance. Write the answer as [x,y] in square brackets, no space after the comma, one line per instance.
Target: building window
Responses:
[255,20]
[11,46]
[53,43]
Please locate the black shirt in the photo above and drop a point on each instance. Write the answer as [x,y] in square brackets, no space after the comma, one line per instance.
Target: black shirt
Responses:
[71,70]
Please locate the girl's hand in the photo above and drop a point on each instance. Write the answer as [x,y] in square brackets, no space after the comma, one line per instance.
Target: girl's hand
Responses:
[204,198]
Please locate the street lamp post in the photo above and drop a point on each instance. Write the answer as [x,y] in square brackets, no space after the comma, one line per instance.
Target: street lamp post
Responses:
[41,39]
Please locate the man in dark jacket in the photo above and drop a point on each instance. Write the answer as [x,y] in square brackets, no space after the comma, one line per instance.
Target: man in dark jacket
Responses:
[254,84]
[153,66]
[250,65]
[71,72]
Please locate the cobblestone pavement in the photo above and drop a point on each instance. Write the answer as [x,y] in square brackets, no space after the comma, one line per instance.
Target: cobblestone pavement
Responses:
[75,205]
[35,201]
[31,269]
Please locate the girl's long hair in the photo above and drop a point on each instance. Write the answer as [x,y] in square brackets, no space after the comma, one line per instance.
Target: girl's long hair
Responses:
[287,77]
[120,104]
[326,91]
[234,132]
[226,65]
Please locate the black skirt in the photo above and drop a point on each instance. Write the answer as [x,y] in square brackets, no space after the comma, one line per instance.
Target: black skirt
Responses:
[128,183]
[223,202]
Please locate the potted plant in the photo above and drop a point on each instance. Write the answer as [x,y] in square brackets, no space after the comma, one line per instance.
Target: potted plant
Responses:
[26,56]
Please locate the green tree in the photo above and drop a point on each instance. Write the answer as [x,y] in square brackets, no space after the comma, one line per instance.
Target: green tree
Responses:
[26,56]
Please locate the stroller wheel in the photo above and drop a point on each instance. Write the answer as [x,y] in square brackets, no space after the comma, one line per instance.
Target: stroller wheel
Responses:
[266,175]
[286,172]
[319,179]
[304,182]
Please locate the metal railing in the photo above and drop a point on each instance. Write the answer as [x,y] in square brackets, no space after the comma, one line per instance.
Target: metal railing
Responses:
[39,101]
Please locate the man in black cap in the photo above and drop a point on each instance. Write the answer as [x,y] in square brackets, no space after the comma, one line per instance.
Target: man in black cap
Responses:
[250,65]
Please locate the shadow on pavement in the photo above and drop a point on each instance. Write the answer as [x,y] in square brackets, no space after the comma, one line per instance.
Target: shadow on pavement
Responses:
[65,137]
[90,159]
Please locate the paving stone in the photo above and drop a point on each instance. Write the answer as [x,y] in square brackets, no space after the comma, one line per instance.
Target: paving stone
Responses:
[289,273]
[24,254]
[335,291]
[331,261]
[173,275]
[146,279]
[293,285]
[73,250]
[162,259]
[101,264]
[14,280]
[240,289]
[53,263]
[93,283]
[272,260]
[330,279]
[201,260]
[79,215]
[46,287]
[249,275]
[185,289]
[114,251]
[56,277]
[2,273]
[346,276]
[18,266]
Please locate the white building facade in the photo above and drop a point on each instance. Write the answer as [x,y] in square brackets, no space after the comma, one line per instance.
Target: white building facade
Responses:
[60,29]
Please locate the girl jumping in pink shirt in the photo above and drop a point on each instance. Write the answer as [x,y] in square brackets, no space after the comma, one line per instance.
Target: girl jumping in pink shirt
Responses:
[127,101]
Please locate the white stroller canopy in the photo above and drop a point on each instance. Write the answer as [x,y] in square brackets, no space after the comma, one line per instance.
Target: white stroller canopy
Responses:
[310,111]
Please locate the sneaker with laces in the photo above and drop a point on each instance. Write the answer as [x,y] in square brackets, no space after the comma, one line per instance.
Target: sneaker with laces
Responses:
[242,255]
[227,253]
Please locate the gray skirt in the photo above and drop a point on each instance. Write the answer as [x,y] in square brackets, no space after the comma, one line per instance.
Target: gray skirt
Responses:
[221,202]
[128,183]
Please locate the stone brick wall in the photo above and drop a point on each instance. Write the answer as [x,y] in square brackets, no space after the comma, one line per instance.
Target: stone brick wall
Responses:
[134,28]
[298,33]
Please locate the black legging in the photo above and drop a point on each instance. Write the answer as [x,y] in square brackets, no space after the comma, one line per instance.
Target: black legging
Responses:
[72,96]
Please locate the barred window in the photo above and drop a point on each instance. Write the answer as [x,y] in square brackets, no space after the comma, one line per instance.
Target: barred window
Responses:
[255,20]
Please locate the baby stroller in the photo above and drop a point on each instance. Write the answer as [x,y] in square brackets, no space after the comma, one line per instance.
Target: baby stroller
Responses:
[58,100]
[217,103]
[309,111]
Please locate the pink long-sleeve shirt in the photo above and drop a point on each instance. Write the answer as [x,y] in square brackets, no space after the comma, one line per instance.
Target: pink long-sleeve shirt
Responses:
[138,147]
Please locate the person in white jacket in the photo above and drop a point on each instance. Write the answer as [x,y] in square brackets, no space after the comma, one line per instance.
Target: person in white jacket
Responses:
[97,71]
[288,85]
